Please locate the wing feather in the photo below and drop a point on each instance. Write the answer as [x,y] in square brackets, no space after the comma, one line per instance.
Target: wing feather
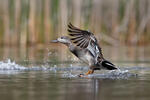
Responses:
[78,35]
[85,39]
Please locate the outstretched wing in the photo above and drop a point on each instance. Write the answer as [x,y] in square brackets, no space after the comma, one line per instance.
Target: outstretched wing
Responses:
[85,39]
[81,38]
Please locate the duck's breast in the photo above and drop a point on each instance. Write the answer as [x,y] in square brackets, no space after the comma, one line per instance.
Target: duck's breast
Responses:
[87,57]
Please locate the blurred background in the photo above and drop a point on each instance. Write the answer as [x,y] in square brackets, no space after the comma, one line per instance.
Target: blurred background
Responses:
[115,22]
[121,26]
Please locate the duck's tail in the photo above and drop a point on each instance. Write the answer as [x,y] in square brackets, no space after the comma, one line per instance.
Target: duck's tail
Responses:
[108,65]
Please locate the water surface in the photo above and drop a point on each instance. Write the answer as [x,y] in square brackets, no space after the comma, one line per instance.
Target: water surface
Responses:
[46,73]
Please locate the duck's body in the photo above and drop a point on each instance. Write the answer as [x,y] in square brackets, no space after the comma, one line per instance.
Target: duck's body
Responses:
[84,45]
[83,54]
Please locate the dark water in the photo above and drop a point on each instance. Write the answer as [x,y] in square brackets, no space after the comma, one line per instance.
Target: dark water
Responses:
[50,73]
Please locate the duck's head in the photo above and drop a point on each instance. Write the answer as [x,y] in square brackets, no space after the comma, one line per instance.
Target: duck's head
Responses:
[63,39]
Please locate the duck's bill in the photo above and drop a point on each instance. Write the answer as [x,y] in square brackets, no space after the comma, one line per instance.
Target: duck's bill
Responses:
[54,41]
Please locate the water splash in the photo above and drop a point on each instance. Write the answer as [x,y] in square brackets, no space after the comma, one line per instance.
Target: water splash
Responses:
[69,75]
[115,74]
[10,66]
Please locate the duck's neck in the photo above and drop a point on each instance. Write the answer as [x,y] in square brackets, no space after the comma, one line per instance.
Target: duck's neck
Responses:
[70,46]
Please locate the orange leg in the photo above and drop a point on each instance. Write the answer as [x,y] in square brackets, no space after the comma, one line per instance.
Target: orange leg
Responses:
[87,73]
